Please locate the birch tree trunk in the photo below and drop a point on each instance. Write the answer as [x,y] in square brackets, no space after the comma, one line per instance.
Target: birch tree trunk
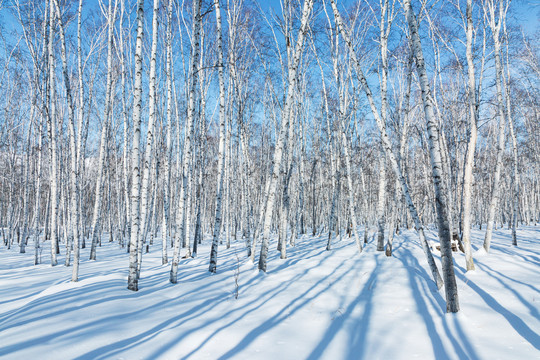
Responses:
[26,183]
[515,180]
[187,152]
[381,205]
[495,30]
[509,118]
[73,171]
[44,110]
[149,137]
[452,302]
[336,184]
[52,139]
[352,212]
[96,219]
[125,155]
[167,165]
[404,113]
[37,200]
[286,203]
[221,151]
[133,281]
[471,144]
[80,118]
[385,25]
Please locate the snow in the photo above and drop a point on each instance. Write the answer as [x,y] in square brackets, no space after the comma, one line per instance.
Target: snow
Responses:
[317,304]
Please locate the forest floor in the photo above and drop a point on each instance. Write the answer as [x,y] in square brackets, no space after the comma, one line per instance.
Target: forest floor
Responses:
[316,304]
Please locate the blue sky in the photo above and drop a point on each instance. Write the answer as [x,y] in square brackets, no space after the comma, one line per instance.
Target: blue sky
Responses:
[527,12]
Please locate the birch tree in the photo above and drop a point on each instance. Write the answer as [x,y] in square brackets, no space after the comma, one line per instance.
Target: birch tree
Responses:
[133,279]
[221,150]
[74,168]
[168,135]
[95,227]
[144,209]
[187,150]
[452,303]
[496,15]
[473,134]
[51,124]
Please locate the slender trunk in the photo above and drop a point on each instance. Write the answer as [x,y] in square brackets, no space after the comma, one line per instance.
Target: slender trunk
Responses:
[52,139]
[133,281]
[125,162]
[221,150]
[186,160]
[352,212]
[509,118]
[381,205]
[73,189]
[26,184]
[167,170]
[495,29]
[96,219]
[145,208]
[441,202]
[471,145]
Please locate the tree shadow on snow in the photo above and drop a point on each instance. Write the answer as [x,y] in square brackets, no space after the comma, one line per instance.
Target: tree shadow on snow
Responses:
[427,296]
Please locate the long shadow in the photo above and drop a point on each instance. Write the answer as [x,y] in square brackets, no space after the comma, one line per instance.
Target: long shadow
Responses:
[519,325]
[118,346]
[462,345]
[68,295]
[51,336]
[302,301]
[97,291]
[525,257]
[185,317]
[490,271]
[269,295]
[463,337]
[412,266]
[19,298]
[356,342]
[255,306]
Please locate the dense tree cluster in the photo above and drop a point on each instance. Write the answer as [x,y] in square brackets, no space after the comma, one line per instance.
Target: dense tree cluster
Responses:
[159,124]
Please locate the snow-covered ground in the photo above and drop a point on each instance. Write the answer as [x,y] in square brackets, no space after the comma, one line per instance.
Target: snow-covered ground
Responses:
[317,304]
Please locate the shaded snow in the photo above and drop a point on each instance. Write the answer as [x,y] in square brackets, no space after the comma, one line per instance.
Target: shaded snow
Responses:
[314,305]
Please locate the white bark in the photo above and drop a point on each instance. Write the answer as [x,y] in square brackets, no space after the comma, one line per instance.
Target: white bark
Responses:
[125,162]
[509,118]
[74,169]
[495,30]
[385,25]
[270,195]
[133,281]
[452,302]
[381,204]
[471,145]
[167,170]
[98,199]
[221,150]
[52,138]
[145,208]
[186,160]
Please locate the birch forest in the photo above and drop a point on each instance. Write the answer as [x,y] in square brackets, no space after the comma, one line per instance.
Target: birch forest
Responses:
[187,128]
